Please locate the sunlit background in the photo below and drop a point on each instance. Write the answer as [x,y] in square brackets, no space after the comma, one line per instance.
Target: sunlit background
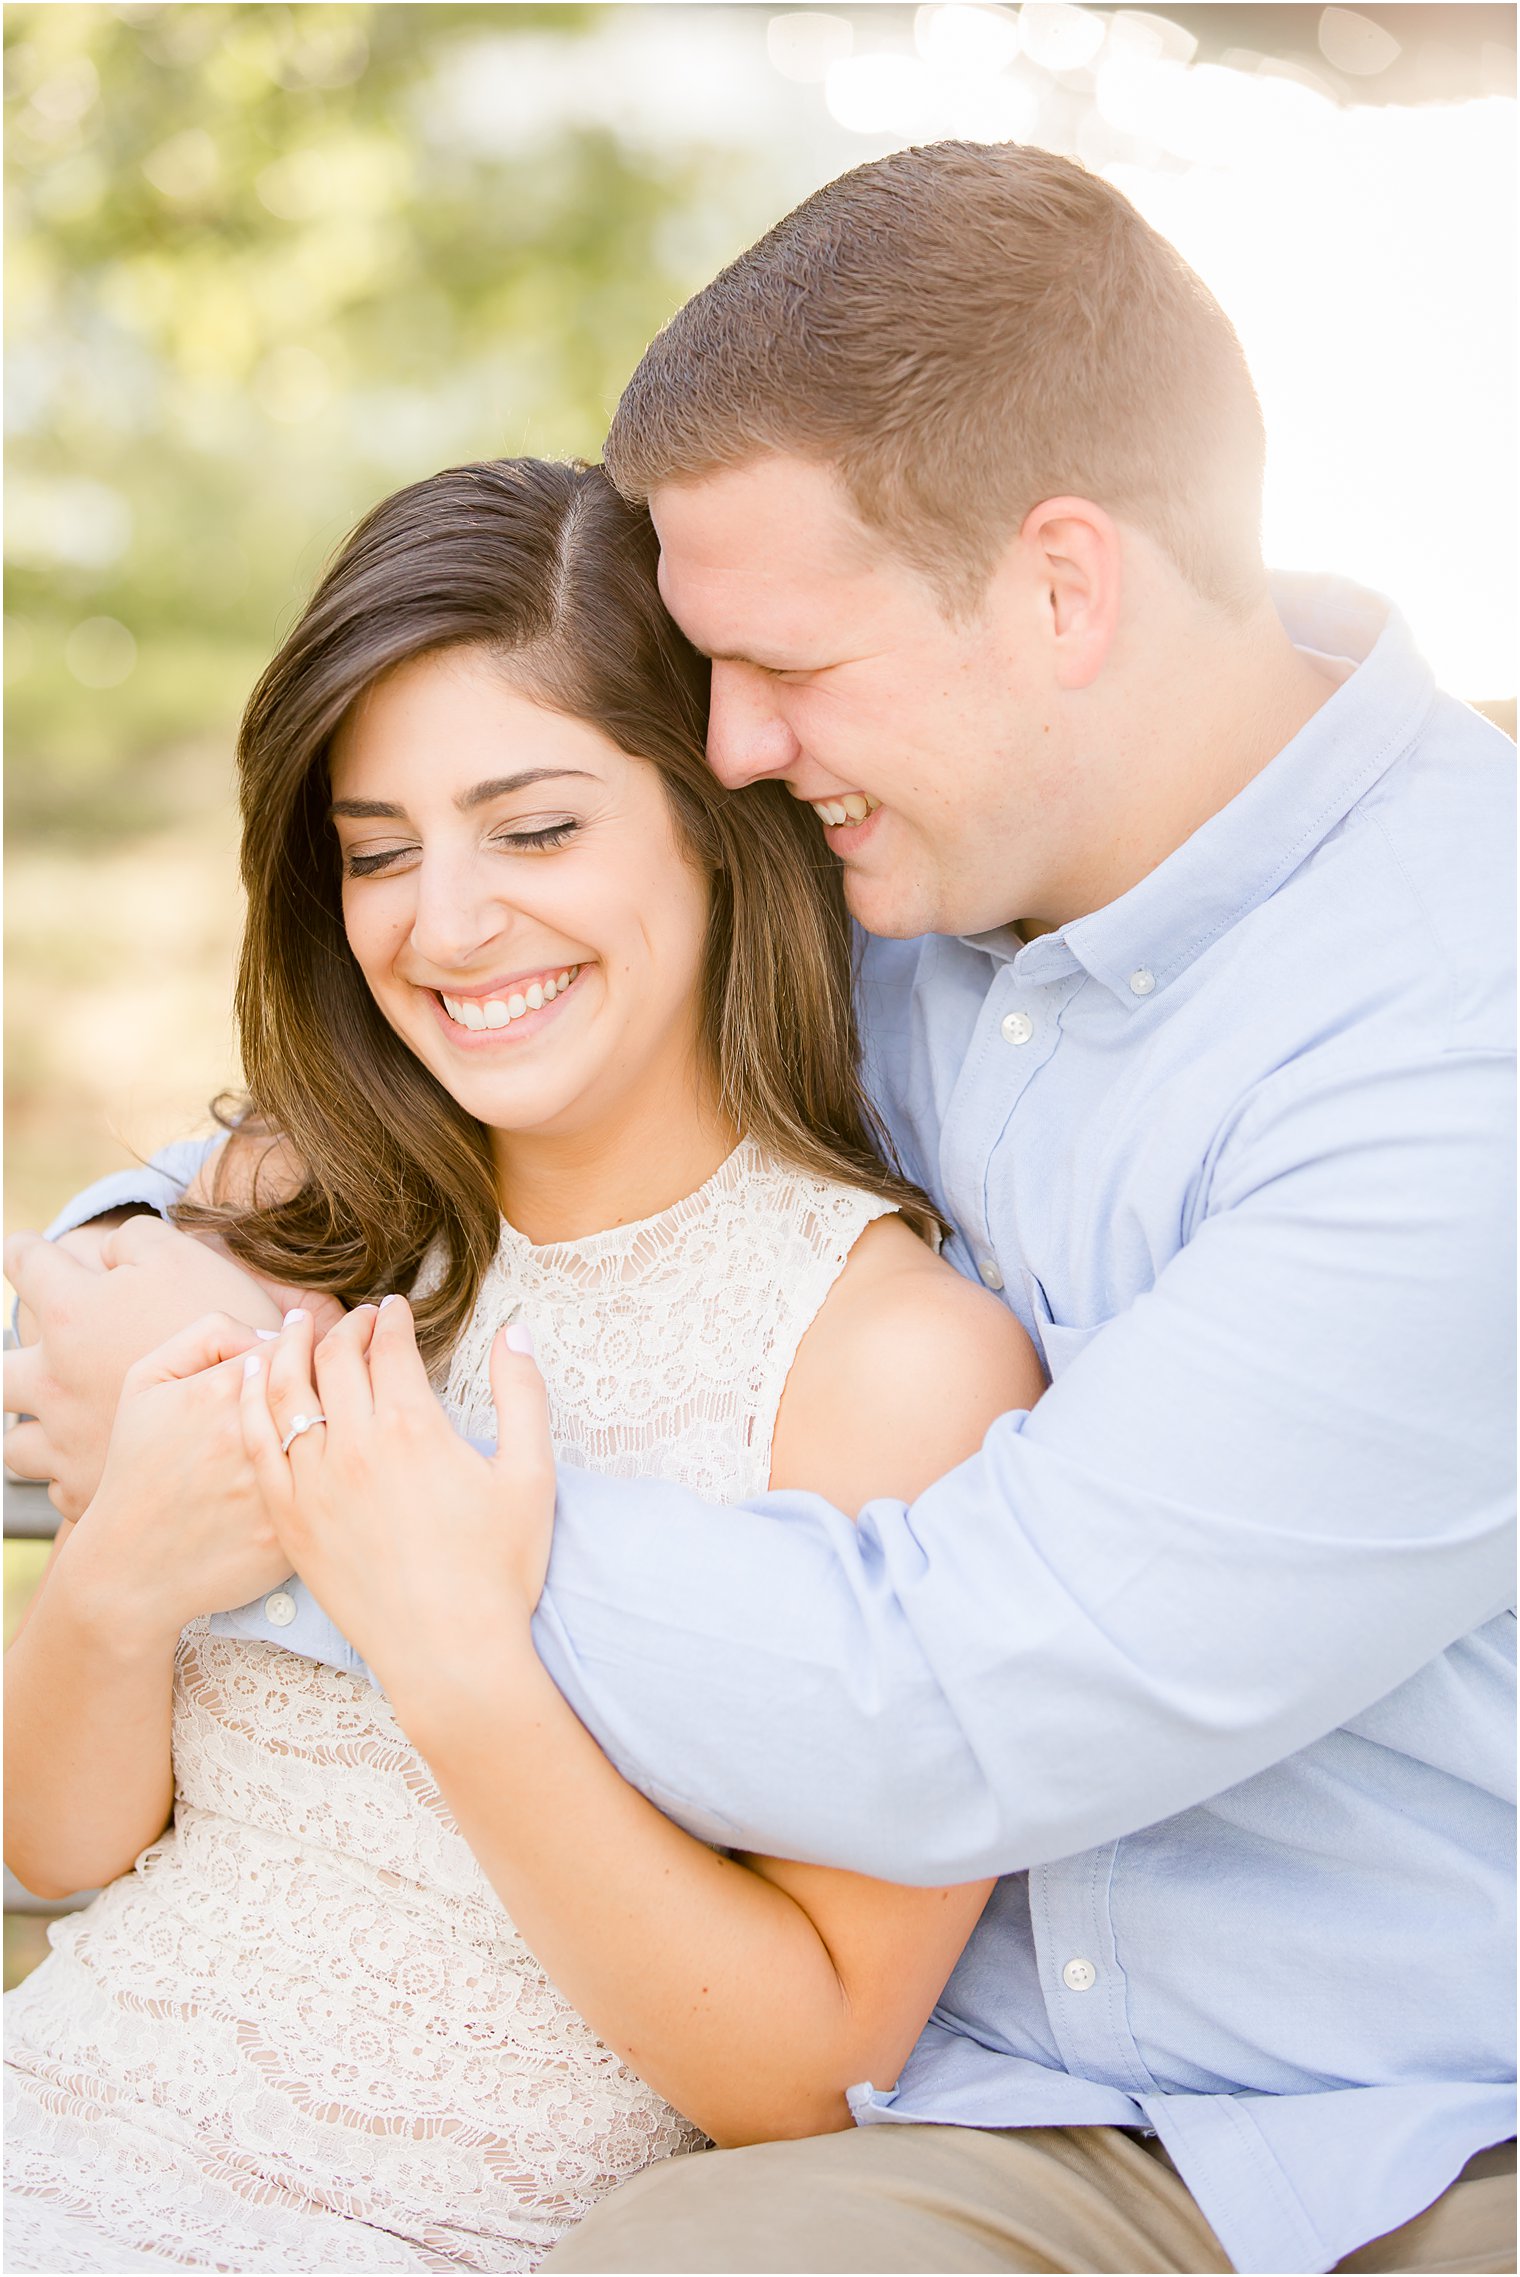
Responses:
[265,263]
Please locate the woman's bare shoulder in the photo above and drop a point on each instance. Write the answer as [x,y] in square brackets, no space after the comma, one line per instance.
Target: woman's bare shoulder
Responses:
[900,1375]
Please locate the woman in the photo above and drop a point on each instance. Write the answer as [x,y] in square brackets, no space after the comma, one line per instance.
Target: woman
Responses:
[544,1028]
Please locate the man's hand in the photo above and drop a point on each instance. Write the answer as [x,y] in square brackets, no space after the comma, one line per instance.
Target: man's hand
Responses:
[84,1242]
[93,1316]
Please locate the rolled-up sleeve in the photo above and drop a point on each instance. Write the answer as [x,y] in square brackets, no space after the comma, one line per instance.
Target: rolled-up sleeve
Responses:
[156,1185]
[1255,1502]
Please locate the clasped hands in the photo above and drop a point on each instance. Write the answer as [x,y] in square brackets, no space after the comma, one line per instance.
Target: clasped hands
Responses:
[415,1544]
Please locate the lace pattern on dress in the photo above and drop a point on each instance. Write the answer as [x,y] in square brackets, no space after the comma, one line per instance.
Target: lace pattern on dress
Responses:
[665,1345]
[303,2033]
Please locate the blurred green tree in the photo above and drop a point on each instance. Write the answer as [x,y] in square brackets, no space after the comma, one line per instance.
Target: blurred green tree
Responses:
[265,263]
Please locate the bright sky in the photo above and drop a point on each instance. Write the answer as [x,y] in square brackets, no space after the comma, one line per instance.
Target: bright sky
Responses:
[1367,263]
[1365,253]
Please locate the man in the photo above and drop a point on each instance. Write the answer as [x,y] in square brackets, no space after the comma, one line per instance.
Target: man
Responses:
[1186,1000]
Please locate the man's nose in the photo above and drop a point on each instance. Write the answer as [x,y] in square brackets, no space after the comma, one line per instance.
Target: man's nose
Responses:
[747,738]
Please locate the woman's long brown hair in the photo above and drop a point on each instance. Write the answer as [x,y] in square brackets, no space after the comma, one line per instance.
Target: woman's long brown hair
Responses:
[546,568]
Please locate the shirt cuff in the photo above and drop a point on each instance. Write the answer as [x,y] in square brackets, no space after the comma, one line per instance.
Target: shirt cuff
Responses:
[155,1185]
[290,1616]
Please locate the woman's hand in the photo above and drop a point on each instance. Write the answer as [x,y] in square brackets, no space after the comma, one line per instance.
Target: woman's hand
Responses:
[177,1525]
[423,1551]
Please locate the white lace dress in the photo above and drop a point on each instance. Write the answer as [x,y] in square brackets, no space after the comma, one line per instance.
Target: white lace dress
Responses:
[302,2033]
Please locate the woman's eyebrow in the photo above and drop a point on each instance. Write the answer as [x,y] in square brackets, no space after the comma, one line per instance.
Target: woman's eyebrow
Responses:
[383,810]
[499,785]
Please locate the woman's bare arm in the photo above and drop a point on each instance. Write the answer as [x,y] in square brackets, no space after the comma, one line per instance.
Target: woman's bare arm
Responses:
[176,1528]
[899,1377]
[751,1992]
[88,1776]
[751,2000]
[903,1370]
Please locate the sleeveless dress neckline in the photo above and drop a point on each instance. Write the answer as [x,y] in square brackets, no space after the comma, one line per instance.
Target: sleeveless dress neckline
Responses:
[737,1164]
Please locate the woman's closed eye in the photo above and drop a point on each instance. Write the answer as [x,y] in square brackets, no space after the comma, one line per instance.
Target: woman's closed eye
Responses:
[365,865]
[541,839]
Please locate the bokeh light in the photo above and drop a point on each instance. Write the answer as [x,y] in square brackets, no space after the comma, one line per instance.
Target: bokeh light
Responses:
[265,262]
[1365,253]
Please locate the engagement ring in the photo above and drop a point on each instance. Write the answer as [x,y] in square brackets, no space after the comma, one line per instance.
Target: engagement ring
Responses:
[301,1423]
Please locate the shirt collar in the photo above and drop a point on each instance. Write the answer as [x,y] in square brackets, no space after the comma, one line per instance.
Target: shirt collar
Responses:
[1242,854]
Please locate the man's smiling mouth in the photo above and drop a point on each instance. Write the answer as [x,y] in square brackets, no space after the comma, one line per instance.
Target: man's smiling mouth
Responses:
[837,814]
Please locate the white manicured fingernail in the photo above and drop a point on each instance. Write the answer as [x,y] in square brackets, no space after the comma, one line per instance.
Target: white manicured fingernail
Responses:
[390,1300]
[293,1316]
[520,1338]
[250,1366]
[266,1335]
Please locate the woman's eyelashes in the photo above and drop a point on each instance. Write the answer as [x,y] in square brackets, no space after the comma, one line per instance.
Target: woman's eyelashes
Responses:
[365,865]
[541,840]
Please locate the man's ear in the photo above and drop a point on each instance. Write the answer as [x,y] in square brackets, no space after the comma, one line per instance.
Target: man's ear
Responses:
[1073,552]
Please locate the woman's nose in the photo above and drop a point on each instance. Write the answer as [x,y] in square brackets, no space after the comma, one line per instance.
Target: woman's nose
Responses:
[747,738]
[455,915]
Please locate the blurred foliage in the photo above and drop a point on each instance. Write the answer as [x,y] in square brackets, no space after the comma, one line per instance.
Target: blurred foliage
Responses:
[266,263]
[26,1943]
[24,1562]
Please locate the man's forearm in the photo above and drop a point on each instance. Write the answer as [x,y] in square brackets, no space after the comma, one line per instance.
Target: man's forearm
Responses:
[1258,1501]
[151,1186]
[897,1735]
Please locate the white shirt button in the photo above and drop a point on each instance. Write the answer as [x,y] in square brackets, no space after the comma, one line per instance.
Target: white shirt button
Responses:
[1079,1976]
[1142,982]
[1017,1028]
[990,1273]
[280,1609]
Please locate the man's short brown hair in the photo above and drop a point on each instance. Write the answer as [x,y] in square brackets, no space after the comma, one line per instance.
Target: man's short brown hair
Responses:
[962,331]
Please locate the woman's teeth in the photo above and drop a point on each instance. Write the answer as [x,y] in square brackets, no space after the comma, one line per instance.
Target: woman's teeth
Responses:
[855,808]
[501,1011]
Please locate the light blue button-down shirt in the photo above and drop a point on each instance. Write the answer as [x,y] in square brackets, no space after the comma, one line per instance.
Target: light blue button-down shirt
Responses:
[1209,1655]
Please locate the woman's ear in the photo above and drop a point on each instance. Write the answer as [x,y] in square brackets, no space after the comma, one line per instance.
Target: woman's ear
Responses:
[1074,555]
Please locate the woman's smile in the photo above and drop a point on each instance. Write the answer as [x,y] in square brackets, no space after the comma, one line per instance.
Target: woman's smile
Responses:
[503,1011]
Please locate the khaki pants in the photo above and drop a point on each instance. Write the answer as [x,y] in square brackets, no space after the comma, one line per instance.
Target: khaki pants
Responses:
[963,2198]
